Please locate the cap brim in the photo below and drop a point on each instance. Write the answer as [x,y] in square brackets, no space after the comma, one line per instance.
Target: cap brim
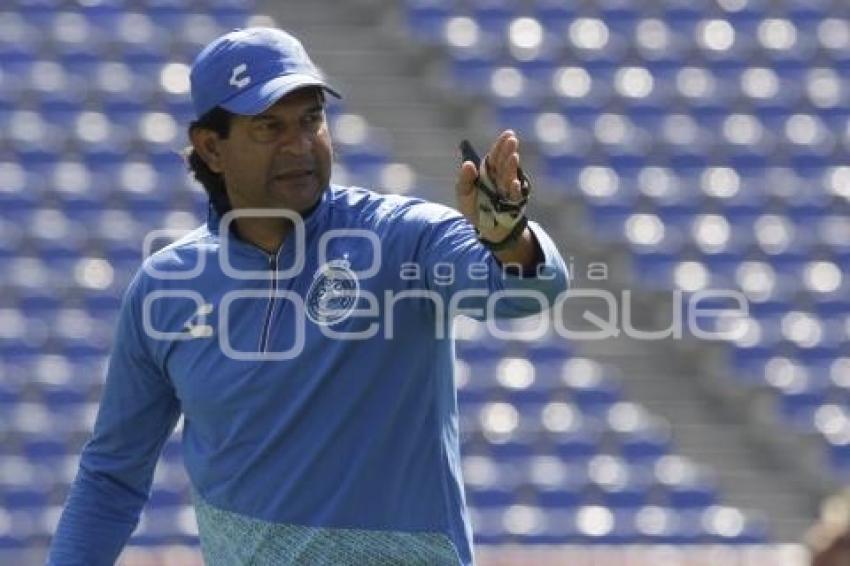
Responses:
[260,97]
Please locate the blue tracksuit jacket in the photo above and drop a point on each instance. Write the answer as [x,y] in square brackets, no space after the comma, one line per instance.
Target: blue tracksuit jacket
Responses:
[302,446]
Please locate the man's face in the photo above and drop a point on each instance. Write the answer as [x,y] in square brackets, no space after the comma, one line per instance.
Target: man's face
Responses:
[280,158]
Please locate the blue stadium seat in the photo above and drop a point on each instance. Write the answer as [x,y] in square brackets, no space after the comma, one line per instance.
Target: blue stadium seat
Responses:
[162,496]
[31,498]
[511,450]
[523,399]
[596,399]
[601,525]
[9,394]
[554,15]
[644,445]
[575,445]
[493,16]
[688,494]
[561,497]
[664,525]
[628,494]
[45,448]
[67,395]
[725,525]
[426,19]
[80,61]
[496,496]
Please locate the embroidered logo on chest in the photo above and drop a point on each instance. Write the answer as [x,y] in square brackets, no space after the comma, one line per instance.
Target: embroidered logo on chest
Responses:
[333,293]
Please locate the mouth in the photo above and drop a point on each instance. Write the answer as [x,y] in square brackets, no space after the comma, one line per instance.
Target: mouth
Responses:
[294,175]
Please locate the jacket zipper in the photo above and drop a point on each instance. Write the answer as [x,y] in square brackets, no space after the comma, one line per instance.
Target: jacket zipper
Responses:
[264,337]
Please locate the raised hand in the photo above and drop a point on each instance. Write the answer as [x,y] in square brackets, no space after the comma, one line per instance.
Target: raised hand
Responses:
[501,167]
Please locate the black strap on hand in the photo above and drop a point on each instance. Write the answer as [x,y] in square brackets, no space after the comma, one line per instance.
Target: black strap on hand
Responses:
[499,204]
[509,240]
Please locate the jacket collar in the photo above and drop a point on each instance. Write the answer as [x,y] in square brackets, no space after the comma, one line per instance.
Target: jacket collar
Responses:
[311,218]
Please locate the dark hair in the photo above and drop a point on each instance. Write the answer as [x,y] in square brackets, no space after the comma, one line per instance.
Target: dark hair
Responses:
[217,120]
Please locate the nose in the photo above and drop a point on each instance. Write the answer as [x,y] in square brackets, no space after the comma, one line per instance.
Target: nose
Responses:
[298,144]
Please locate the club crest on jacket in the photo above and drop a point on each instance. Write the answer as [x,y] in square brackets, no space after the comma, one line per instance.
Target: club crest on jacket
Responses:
[333,293]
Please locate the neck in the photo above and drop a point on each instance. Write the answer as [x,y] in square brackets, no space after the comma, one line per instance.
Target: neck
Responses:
[265,233]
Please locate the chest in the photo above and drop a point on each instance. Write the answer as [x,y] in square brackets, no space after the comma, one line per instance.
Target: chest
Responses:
[277,337]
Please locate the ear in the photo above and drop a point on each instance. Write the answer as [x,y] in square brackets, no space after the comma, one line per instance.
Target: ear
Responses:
[208,145]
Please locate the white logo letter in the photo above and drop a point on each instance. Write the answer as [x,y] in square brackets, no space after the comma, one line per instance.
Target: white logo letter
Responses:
[234,76]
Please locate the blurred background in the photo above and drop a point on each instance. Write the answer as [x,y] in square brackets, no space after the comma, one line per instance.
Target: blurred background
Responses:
[676,146]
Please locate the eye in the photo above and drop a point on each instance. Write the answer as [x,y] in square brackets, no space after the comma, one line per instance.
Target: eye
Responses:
[267,126]
[264,131]
[313,119]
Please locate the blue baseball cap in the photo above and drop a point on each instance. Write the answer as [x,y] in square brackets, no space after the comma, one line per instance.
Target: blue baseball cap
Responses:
[247,70]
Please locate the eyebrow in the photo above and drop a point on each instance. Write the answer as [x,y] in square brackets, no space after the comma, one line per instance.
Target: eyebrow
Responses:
[311,110]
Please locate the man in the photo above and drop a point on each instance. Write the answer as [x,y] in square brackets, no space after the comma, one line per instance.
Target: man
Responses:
[300,333]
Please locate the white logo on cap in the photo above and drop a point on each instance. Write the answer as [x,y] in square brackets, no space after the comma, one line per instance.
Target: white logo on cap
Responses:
[234,76]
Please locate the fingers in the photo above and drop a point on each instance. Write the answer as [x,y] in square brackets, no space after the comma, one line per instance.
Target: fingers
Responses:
[512,181]
[503,164]
[506,144]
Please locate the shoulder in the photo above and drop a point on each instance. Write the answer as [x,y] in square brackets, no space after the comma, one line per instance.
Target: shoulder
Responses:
[374,207]
[176,261]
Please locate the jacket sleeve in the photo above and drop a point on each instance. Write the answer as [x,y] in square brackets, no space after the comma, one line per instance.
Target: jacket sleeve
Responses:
[470,278]
[138,411]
